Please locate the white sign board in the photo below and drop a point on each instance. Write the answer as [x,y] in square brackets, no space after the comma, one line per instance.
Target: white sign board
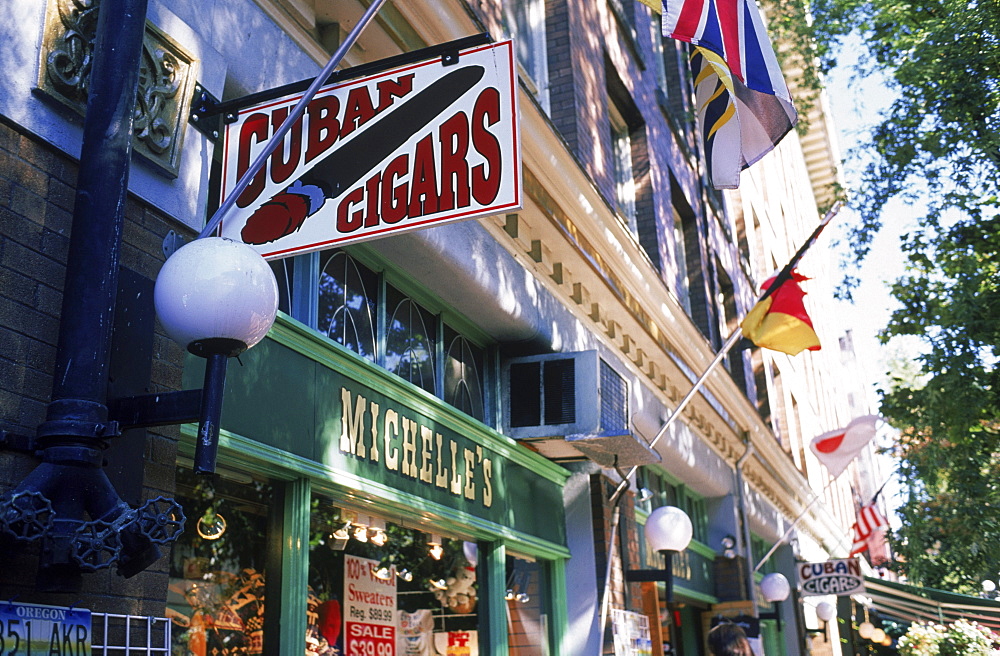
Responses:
[407,148]
[832,577]
[369,609]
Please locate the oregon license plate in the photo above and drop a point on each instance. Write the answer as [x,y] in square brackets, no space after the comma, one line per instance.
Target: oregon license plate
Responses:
[35,630]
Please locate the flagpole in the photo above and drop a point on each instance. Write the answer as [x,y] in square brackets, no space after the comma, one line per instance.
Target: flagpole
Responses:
[786,272]
[293,116]
[698,384]
[816,497]
[783,275]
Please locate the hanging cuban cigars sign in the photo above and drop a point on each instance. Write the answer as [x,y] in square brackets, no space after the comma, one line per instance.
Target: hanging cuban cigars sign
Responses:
[840,577]
[415,146]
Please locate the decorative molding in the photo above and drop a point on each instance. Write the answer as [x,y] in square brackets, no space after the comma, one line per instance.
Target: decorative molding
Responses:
[166,78]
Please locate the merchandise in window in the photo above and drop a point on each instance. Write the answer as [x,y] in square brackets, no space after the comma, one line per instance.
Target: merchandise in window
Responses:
[215,597]
[382,588]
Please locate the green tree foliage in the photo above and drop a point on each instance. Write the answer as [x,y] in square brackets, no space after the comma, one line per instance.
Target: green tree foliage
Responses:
[939,143]
[940,139]
[949,414]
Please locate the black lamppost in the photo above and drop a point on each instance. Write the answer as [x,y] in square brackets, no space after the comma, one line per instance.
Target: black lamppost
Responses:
[67,503]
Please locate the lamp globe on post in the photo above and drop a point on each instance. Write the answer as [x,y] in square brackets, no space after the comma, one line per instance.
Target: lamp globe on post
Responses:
[866,629]
[826,611]
[215,297]
[668,531]
[775,588]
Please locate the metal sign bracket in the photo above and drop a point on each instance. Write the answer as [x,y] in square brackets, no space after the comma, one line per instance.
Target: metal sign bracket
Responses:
[206,109]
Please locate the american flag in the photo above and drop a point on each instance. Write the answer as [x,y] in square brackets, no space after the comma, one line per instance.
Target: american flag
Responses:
[869,520]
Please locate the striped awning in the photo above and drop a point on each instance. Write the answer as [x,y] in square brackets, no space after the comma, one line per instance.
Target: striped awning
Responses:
[910,603]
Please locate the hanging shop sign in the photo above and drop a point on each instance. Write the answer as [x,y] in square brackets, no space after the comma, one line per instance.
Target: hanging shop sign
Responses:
[35,629]
[832,577]
[410,147]
[369,608]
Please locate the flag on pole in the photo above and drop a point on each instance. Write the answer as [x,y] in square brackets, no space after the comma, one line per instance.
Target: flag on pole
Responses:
[779,320]
[869,521]
[743,103]
[836,449]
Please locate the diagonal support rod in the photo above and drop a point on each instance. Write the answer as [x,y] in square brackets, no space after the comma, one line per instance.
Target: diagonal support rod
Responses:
[293,117]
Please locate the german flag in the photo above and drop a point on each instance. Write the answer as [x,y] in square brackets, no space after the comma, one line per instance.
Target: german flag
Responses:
[779,320]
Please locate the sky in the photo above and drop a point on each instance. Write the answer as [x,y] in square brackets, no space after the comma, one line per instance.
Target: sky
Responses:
[856,105]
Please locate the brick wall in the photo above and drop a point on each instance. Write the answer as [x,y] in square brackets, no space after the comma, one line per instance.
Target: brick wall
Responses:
[36,203]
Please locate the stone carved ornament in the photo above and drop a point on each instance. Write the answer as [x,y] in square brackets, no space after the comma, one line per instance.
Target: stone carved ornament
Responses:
[166,78]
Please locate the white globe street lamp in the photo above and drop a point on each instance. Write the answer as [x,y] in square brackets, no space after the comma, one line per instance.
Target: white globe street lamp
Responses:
[668,531]
[826,611]
[775,589]
[216,298]
[215,295]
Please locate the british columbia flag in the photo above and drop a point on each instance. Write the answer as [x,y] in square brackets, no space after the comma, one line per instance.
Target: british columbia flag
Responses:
[743,103]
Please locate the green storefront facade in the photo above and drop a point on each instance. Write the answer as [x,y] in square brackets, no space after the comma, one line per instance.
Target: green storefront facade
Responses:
[328,441]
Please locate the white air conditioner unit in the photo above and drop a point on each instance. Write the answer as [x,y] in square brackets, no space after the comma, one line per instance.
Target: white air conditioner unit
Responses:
[571,406]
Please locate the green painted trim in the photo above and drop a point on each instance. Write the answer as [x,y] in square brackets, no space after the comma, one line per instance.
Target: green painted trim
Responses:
[294,567]
[493,559]
[558,602]
[360,493]
[694,595]
[298,337]
[703,549]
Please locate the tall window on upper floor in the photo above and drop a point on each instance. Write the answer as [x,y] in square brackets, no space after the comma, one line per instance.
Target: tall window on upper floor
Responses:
[354,306]
[524,21]
[680,96]
[659,61]
[621,153]
[763,401]
[697,266]
[730,323]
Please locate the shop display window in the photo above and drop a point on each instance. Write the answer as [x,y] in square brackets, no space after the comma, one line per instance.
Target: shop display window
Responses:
[527,622]
[377,588]
[215,597]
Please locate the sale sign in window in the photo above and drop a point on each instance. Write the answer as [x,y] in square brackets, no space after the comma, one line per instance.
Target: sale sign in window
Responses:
[369,609]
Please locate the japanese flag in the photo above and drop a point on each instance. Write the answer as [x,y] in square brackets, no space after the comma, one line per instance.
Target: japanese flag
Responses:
[838,448]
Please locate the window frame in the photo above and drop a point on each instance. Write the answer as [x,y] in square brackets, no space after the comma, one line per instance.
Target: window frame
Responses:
[304,307]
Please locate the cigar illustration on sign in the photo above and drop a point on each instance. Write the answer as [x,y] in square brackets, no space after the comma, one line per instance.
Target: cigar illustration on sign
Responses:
[344,168]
